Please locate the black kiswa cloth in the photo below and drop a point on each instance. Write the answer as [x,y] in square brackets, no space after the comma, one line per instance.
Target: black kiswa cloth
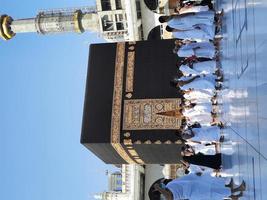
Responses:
[123,79]
[211,161]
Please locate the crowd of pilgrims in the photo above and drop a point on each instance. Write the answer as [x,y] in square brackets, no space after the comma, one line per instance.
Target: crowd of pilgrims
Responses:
[196,27]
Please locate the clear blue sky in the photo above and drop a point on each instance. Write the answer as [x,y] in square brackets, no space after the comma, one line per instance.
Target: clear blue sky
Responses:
[42,83]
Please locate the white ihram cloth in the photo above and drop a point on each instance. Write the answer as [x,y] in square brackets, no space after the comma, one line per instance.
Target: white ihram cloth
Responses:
[194,34]
[199,96]
[193,187]
[201,148]
[204,119]
[197,168]
[210,30]
[207,67]
[194,9]
[200,113]
[200,108]
[198,49]
[206,134]
[209,77]
[199,84]
[188,22]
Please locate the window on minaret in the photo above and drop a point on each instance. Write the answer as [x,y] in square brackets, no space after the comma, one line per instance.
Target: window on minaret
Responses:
[107,23]
[119,18]
[118,4]
[119,22]
[140,32]
[138,9]
[120,26]
[106,5]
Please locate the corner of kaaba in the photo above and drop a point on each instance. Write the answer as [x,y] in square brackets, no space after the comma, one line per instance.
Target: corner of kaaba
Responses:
[129,103]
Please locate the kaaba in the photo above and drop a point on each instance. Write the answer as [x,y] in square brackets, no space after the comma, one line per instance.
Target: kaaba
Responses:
[129,110]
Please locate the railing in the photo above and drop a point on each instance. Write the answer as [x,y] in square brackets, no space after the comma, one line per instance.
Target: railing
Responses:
[85,9]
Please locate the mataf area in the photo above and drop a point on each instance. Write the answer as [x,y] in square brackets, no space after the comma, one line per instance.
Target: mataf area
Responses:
[243,60]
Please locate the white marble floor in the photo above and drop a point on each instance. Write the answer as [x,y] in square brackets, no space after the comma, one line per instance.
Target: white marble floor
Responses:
[244,52]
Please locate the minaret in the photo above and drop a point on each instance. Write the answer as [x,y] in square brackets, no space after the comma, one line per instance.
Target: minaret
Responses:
[54,21]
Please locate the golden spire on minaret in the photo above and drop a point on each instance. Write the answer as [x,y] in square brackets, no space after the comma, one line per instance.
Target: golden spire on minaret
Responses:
[5,29]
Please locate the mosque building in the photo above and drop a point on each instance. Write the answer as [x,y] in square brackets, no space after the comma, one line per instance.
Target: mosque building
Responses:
[133,182]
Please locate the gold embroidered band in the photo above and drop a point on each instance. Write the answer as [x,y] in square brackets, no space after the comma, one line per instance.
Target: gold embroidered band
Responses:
[130,71]
[117,103]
